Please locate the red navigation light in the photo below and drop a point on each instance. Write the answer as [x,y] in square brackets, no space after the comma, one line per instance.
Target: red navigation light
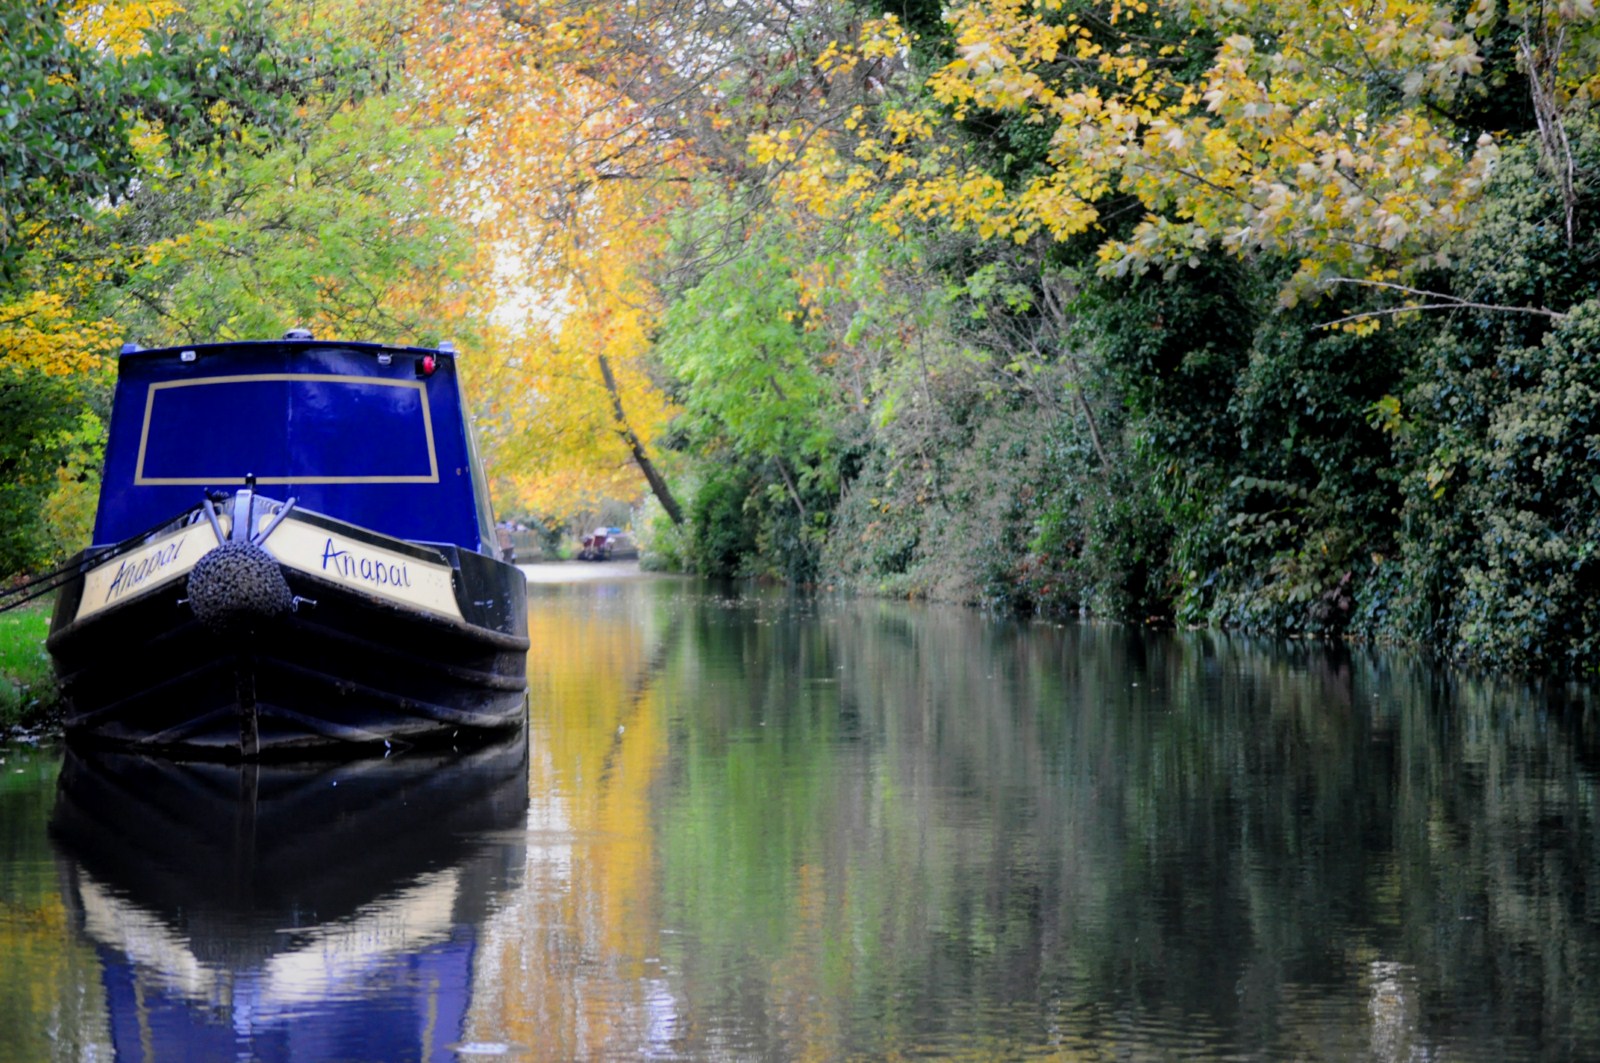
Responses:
[427,365]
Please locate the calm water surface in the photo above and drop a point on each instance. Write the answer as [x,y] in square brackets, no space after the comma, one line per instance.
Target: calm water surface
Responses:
[759,828]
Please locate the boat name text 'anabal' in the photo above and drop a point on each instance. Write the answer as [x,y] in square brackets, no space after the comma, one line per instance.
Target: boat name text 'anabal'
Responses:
[130,575]
[370,570]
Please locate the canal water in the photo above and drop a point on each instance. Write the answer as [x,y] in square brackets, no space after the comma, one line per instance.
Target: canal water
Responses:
[756,827]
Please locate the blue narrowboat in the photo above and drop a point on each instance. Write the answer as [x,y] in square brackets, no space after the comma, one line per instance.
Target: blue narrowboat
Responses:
[294,553]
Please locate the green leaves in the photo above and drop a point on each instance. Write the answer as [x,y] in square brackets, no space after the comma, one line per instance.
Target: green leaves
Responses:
[738,344]
[335,233]
[71,113]
[65,126]
[244,76]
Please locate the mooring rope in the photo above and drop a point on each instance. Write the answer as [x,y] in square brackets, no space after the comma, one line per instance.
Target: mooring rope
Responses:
[12,597]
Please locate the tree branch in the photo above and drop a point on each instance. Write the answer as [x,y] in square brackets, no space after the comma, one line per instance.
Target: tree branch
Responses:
[1450,302]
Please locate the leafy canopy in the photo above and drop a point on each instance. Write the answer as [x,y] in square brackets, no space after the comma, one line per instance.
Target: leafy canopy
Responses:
[1342,140]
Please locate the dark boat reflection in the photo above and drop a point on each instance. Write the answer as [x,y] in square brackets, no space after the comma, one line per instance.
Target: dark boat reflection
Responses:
[289,912]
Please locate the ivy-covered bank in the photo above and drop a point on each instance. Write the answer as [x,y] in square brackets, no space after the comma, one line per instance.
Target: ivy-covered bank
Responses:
[1243,314]
[1179,447]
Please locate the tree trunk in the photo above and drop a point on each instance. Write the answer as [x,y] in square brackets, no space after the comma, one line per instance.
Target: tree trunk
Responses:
[788,481]
[658,484]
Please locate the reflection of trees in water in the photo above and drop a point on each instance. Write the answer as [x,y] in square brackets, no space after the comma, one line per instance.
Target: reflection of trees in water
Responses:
[50,1002]
[915,827]
[569,968]
[765,828]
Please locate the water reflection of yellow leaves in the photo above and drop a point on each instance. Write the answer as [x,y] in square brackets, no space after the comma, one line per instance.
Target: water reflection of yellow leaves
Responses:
[568,969]
[45,1009]
[805,997]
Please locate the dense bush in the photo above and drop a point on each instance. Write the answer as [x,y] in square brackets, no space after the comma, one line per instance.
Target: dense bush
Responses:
[722,533]
[50,453]
[1181,447]
[1499,436]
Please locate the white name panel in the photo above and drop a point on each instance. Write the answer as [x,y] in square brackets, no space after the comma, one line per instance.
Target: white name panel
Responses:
[399,577]
[155,564]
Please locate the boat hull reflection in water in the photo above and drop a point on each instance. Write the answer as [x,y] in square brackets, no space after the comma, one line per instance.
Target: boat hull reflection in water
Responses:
[288,912]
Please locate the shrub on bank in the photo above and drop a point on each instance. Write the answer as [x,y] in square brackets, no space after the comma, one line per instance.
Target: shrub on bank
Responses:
[1499,440]
[28,694]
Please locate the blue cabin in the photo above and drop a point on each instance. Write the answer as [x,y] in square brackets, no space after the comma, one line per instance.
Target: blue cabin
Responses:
[372,434]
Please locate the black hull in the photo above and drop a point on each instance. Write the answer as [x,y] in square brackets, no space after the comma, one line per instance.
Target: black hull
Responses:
[306,911]
[343,673]
[230,855]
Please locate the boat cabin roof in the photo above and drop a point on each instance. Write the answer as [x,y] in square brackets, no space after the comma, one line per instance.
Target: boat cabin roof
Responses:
[369,433]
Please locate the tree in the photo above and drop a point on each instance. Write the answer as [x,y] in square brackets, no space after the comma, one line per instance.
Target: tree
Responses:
[81,92]
[334,232]
[585,128]
[1262,127]
[746,364]
[127,119]
[66,126]
[558,240]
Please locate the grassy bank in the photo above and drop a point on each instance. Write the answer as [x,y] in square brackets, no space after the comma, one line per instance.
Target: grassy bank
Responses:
[27,687]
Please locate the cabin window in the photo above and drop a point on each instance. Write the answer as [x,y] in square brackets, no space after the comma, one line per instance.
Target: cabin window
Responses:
[286,429]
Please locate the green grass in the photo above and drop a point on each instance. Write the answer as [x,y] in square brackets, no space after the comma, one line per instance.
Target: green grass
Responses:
[27,685]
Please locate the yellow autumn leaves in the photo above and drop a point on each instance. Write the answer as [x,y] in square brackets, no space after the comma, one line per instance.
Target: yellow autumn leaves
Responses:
[1316,130]
[1323,133]
[116,27]
[40,333]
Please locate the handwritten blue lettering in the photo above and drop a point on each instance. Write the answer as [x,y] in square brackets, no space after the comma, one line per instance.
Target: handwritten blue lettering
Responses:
[131,574]
[376,571]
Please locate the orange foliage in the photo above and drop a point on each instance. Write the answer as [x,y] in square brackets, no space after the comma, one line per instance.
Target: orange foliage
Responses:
[40,334]
[584,926]
[569,192]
